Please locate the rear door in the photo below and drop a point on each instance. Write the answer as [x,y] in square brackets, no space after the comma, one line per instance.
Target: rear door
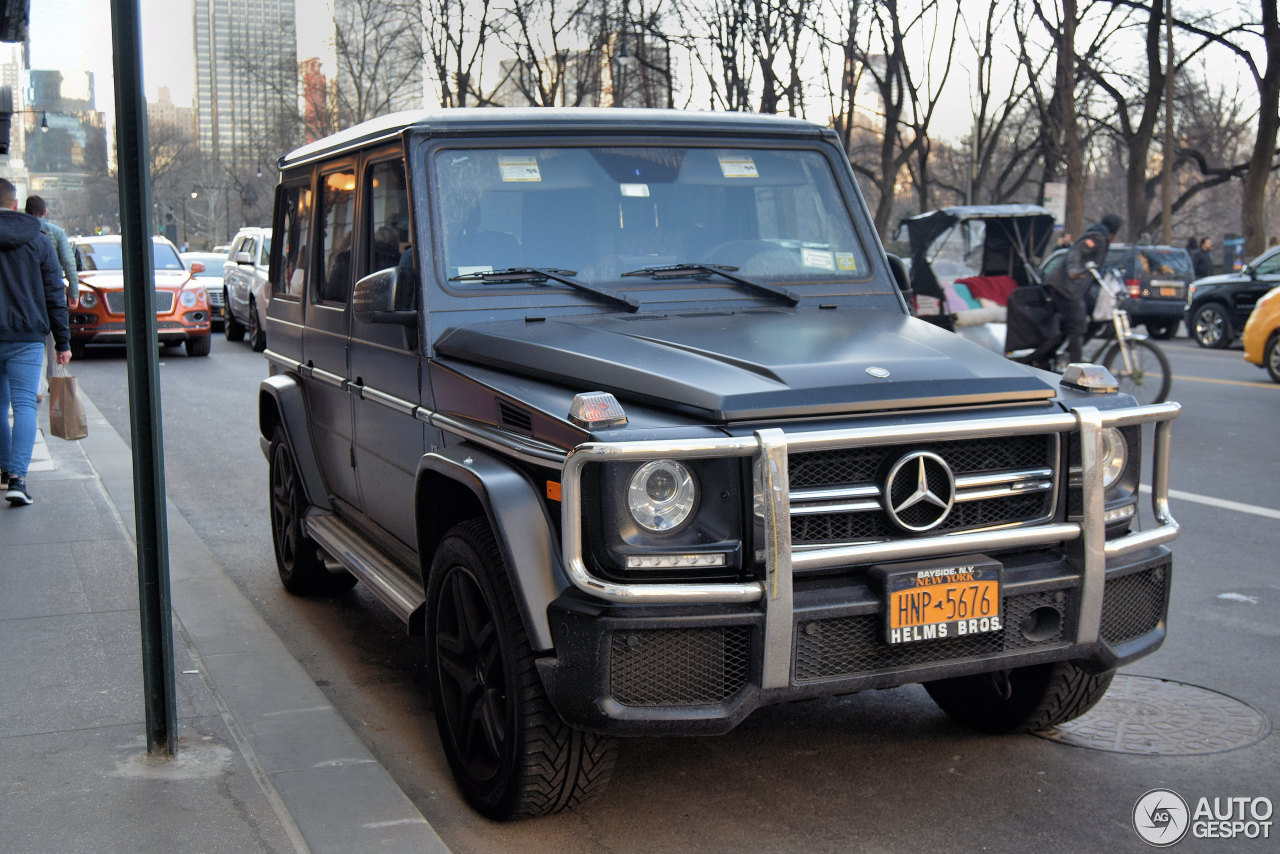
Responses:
[324,337]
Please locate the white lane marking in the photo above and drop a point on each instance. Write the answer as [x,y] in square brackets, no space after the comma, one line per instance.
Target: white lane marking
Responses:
[1238,506]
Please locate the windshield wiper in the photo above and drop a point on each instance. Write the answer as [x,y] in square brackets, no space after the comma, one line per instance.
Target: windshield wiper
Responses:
[537,275]
[725,271]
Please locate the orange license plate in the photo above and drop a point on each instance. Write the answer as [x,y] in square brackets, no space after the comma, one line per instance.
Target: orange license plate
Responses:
[942,601]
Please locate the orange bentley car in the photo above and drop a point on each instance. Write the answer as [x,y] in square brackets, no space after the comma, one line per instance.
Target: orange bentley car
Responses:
[182,304]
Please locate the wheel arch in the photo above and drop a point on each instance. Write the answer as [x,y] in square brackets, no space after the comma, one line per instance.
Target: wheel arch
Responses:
[280,404]
[464,482]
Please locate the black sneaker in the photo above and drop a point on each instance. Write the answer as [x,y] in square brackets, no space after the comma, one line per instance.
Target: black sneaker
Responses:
[17,492]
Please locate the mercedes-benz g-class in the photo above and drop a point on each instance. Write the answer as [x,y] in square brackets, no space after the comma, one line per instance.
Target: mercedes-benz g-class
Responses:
[624,413]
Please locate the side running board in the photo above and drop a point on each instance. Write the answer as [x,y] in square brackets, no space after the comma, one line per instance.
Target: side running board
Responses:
[387,580]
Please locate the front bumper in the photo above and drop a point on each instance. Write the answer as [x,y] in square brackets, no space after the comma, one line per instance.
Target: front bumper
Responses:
[697,658]
[646,670]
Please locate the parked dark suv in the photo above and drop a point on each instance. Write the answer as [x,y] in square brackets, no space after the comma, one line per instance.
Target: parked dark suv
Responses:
[1218,306]
[624,413]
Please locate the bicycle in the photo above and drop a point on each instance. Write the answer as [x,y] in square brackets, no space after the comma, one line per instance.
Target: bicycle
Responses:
[1141,369]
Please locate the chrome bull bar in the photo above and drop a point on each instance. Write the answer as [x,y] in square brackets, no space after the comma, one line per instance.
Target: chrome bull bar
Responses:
[771,448]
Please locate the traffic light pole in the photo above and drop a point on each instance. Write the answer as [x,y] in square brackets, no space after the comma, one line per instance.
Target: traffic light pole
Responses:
[159,689]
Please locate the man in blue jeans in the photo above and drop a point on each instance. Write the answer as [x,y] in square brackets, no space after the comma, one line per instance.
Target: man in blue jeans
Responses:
[33,303]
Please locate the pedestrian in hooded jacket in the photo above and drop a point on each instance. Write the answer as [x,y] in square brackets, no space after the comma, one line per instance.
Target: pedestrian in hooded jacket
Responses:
[33,303]
[1069,284]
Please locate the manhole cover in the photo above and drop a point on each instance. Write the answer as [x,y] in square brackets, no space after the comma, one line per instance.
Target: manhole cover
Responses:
[1156,717]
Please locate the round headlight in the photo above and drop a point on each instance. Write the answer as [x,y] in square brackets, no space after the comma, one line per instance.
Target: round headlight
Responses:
[1115,456]
[661,495]
[88,298]
[188,298]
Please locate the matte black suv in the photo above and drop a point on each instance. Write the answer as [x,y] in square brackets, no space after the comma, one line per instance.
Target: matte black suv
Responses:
[1218,306]
[624,412]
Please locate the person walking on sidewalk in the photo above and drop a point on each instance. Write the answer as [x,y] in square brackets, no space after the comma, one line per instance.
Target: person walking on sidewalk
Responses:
[33,303]
[67,258]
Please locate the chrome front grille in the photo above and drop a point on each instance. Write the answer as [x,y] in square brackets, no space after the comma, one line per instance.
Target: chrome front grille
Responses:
[837,496]
[115,302]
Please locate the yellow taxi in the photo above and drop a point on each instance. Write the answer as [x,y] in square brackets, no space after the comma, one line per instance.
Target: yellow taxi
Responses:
[1262,334]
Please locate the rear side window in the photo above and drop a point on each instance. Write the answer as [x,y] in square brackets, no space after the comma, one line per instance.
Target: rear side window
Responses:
[335,242]
[294,219]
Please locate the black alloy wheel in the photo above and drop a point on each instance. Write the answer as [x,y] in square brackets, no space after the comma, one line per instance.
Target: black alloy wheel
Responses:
[511,754]
[1211,327]
[302,570]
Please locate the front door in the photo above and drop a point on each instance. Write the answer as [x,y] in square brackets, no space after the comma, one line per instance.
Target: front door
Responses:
[385,365]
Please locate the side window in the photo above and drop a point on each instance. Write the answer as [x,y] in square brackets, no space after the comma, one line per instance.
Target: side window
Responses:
[1270,266]
[293,222]
[336,238]
[249,247]
[387,224]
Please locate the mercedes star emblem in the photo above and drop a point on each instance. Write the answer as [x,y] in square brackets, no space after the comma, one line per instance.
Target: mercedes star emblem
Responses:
[877,371]
[919,491]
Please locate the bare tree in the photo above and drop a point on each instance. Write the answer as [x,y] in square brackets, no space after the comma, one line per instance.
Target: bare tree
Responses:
[908,96]
[378,46]
[750,52]
[455,33]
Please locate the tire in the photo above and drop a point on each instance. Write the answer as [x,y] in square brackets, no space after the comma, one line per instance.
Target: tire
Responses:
[1152,376]
[1271,358]
[198,346]
[1211,327]
[232,328]
[1025,699]
[302,570]
[257,335]
[511,754]
[77,350]
[1162,331]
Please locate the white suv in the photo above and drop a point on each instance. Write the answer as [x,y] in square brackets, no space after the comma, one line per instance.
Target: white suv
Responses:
[245,280]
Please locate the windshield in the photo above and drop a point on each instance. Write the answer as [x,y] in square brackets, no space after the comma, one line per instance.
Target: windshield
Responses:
[106,256]
[600,213]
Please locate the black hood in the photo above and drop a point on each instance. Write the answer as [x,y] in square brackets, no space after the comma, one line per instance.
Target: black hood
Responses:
[748,365]
[17,229]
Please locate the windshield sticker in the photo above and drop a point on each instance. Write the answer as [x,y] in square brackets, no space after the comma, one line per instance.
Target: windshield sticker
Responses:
[635,191]
[846,261]
[817,258]
[519,168]
[738,166]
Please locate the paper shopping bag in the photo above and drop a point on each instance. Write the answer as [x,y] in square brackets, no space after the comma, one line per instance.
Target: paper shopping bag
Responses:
[66,409]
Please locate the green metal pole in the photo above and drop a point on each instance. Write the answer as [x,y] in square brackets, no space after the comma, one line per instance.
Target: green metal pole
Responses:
[132,152]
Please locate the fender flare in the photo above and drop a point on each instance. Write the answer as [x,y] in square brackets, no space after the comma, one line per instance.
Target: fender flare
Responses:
[280,403]
[516,514]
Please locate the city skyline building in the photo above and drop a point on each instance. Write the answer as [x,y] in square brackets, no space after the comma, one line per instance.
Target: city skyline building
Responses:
[246,61]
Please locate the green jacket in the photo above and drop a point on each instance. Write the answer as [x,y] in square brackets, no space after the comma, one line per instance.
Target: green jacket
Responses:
[66,257]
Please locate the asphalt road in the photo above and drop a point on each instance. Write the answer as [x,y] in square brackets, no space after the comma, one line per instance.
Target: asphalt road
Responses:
[880,771]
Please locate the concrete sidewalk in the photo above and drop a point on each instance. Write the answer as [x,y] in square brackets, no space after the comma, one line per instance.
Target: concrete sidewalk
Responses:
[265,763]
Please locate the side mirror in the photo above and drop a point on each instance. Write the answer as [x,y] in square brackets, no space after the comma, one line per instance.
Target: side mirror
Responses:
[374,299]
[243,258]
[899,270]
[196,267]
